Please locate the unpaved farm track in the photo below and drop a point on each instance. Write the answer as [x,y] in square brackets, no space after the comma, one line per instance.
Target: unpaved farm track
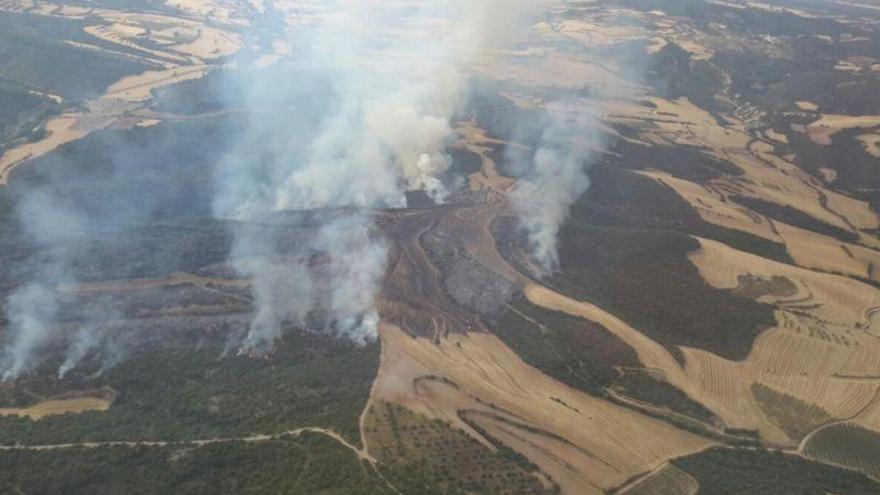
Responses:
[361,454]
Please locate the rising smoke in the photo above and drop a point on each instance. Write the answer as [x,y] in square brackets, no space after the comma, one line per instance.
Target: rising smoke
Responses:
[398,80]
[61,219]
[553,178]
[32,308]
[365,119]
[85,340]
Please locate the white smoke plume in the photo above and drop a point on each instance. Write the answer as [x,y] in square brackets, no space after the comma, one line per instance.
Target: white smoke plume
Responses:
[56,226]
[85,340]
[353,275]
[554,179]
[282,293]
[31,309]
[31,312]
[399,77]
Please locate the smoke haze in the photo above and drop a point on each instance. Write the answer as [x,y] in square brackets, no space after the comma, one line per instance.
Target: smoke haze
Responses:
[398,80]
[362,116]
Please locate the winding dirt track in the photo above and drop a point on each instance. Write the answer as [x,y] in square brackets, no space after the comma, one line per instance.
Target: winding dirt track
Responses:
[362,455]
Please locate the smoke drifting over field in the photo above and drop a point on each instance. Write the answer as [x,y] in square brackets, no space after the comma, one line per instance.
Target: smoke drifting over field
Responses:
[398,79]
[360,116]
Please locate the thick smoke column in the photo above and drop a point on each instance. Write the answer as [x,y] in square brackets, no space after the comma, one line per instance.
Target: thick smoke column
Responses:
[32,309]
[554,178]
[398,79]
[356,267]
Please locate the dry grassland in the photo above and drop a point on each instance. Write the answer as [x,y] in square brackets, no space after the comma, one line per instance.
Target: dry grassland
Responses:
[713,207]
[767,176]
[587,446]
[807,106]
[821,131]
[817,354]
[821,252]
[871,142]
[58,406]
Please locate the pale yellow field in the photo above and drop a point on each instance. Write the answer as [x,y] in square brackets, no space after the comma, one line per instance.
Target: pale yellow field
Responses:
[871,142]
[58,406]
[842,301]
[806,105]
[829,175]
[139,87]
[697,51]
[477,140]
[767,176]
[607,443]
[812,250]
[556,69]
[177,36]
[120,99]
[807,248]
[656,45]
[782,138]
[121,33]
[821,131]
[819,355]
[710,204]
[59,130]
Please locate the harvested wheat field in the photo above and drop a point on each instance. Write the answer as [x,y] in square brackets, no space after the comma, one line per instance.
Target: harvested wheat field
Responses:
[815,354]
[603,444]
[871,143]
[824,253]
[766,176]
[819,353]
[822,130]
[54,407]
